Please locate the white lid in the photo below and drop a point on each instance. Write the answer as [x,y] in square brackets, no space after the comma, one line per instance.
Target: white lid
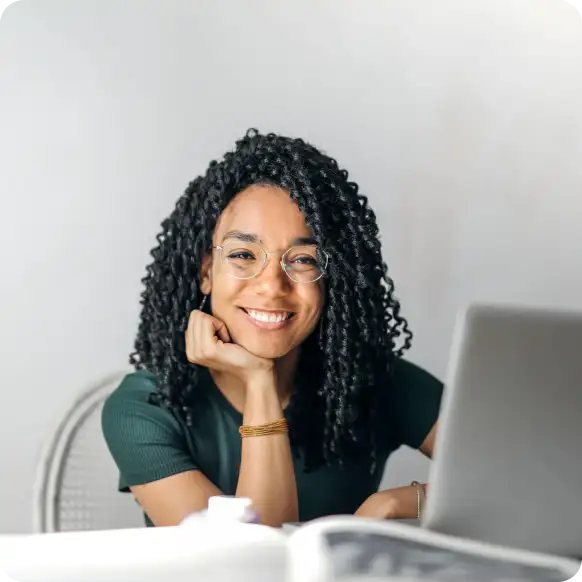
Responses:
[228,507]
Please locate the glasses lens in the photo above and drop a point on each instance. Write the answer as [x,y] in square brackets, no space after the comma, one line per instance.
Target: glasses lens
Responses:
[243,259]
[305,263]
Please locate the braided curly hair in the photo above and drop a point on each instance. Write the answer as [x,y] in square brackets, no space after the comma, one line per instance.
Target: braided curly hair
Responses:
[343,377]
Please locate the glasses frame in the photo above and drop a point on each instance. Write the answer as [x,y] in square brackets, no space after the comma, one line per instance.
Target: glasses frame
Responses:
[281,262]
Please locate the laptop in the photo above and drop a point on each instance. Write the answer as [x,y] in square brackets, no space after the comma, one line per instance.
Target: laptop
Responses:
[507,467]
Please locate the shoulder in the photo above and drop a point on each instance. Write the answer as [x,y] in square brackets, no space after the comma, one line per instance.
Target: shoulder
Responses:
[135,386]
[410,377]
[132,395]
[146,440]
[415,398]
[130,415]
[132,407]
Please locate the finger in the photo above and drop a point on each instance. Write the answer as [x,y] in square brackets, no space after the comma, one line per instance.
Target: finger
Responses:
[204,335]
[192,337]
[221,331]
[208,329]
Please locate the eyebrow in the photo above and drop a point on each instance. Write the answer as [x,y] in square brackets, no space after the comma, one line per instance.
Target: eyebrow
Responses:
[253,238]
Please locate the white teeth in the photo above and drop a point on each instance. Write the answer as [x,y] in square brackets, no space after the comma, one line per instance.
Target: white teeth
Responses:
[268,317]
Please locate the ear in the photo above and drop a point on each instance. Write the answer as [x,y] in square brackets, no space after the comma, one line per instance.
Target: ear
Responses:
[206,275]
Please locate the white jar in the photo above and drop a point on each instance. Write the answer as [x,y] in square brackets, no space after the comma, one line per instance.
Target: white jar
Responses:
[225,509]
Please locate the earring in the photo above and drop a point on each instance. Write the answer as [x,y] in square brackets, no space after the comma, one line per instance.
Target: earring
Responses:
[203,303]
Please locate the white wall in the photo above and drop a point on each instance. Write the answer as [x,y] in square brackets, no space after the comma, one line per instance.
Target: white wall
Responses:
[460,120]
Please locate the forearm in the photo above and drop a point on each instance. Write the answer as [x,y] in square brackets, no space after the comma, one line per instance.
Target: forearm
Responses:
[266,472]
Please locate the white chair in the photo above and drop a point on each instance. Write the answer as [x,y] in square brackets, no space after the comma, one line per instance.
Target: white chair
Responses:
[76,485]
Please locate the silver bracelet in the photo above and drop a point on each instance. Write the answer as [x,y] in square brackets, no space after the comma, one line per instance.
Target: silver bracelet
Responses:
[418,497]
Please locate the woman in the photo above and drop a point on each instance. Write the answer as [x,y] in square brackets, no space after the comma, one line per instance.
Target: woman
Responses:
[268,357]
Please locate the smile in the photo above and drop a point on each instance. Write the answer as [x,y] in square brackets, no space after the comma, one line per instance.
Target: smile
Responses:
[268,319]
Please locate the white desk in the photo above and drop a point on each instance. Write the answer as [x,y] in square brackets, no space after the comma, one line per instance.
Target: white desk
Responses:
[177,554]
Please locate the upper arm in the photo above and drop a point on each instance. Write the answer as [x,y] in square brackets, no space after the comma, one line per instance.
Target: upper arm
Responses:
[150,449]
[415,406]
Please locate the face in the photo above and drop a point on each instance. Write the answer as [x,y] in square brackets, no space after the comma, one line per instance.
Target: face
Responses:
[270,315]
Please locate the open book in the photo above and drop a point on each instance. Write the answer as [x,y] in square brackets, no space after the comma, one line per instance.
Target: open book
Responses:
[343,549]
[347,549]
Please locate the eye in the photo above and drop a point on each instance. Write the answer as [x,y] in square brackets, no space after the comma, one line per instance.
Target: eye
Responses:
[305,260]
[241,256]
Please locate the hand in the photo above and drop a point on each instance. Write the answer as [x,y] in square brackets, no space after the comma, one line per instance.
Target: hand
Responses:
[400,503]
[208,344]
[381,505]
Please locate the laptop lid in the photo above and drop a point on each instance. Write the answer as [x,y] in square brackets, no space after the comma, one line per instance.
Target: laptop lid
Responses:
[507,465]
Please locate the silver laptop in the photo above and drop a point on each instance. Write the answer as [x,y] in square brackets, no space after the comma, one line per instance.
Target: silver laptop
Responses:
[508,456]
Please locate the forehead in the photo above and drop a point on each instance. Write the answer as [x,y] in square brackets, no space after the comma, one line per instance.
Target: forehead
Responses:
[267,212]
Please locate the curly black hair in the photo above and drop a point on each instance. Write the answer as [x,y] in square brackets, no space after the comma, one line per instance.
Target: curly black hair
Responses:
[343,373]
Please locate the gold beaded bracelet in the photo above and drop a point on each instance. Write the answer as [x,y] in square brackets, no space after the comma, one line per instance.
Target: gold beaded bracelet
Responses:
[264,429]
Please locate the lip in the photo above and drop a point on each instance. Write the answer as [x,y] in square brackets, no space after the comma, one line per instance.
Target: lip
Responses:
[270,325]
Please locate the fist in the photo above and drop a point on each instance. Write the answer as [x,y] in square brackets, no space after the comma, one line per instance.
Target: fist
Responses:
[208,344]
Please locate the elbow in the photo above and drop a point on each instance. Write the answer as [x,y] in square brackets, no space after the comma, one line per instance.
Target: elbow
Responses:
[276,516]
[272,522]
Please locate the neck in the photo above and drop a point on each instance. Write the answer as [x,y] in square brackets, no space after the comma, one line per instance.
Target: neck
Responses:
[234,390]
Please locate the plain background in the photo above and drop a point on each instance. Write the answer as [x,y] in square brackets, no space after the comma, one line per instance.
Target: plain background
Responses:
[461,120]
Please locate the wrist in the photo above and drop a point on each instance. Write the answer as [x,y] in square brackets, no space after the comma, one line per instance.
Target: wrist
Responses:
[262,403]
[390,506]
[401,503]
[261,379]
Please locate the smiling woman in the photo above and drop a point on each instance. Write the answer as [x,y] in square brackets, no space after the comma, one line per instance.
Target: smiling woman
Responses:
[255,291]
[269,353]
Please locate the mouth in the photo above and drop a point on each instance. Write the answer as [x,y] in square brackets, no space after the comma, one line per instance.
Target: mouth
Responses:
[268,319]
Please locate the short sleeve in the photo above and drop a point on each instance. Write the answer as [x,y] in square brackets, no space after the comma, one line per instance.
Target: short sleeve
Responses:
[415,401]
[147,441]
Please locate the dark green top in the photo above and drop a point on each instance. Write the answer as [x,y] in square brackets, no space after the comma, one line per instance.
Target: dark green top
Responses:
[149,442]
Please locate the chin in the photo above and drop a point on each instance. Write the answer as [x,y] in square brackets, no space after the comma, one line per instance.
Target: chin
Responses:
[267,352]
[264,347]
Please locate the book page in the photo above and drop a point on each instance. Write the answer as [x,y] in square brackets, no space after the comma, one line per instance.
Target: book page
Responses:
[362,555]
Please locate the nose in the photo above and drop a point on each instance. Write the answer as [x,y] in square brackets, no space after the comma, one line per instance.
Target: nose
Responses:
[272,281]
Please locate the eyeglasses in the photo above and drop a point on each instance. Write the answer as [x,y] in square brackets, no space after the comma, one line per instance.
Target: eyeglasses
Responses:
[245,260]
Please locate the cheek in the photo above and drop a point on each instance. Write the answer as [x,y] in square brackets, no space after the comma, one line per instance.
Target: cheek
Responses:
[224,291]
[312,299]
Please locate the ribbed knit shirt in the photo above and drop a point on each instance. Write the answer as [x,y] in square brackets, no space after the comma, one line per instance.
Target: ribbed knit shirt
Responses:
[149,442]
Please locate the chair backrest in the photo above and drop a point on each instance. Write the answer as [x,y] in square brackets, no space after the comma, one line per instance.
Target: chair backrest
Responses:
[76,486]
